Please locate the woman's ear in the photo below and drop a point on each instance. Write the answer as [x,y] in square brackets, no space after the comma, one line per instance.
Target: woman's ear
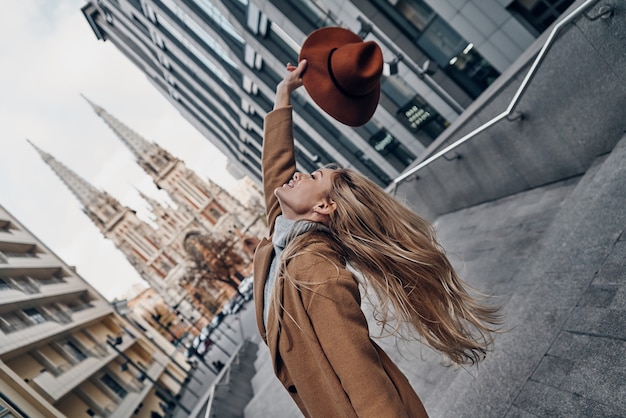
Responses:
[325,207]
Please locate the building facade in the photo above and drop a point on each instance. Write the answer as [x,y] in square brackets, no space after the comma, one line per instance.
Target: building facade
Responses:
[155,249]
[218,63]
[200,201]
[138,240]
[64,351]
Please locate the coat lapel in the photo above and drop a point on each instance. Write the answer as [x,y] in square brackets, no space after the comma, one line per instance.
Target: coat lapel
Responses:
[274,326]
[262,260]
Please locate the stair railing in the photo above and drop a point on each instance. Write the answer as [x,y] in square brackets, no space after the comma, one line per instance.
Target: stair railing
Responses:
[603,12]
[223,378]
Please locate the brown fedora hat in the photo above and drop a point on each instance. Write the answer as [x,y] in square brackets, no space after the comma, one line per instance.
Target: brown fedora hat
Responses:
[343,74]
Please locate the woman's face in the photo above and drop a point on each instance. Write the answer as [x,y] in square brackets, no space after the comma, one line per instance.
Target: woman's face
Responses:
[305,196]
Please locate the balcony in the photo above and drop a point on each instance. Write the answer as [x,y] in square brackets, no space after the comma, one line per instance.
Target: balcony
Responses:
[137,389]
[25,333]
[125,408]
[55,387]
[91,311]
[20,262]
[18,237]
[29,289]
[64,378]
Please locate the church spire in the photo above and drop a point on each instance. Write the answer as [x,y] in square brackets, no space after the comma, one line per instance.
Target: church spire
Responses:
[212,206]
[84,192]
[153,203]
[152,158]
[102,208]
[139,241]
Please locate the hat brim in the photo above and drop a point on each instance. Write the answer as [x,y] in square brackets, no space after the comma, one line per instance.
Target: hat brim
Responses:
[351,111]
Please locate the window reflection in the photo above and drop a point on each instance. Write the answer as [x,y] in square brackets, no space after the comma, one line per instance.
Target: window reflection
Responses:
[443,45]
[538,15]
[389,147]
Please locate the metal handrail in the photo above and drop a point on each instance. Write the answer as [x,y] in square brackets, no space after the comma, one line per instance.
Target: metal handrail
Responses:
[225,372]
[509,110]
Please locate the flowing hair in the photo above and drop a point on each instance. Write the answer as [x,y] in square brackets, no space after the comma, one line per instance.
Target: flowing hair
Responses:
[397,253]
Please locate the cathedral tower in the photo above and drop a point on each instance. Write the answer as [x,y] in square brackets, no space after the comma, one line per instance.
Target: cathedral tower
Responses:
[211,205]
[142,245]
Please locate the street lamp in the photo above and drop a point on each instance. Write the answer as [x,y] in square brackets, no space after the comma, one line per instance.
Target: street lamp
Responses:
[113,342]
[193,325]
[142,330]
[157,319]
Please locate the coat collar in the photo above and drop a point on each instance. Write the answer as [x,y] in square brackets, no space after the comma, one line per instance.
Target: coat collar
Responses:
[262,261]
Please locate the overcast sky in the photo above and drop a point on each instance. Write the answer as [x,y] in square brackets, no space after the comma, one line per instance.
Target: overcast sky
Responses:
[49,56]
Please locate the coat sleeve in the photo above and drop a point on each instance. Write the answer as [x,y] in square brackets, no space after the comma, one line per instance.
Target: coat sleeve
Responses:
[278,158]
[334,311]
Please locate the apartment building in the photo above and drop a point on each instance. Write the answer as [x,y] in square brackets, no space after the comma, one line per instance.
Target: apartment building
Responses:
[64,351]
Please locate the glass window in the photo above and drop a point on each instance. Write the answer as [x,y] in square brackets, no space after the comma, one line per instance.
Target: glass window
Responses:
[10,322]
[471,70]
[19,255]
[114,386]
[213,12]
[381,178]
[215,213]
[73,350]
[5,409]
[165,266]
[4,285]
[413,111]
[30,252]
[392,149]
[34,315]
[195,51]
[416,12]
[442,43]
[397,90]
[538,15]
[5,226]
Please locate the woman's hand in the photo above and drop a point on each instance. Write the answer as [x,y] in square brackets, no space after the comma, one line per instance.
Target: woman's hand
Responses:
[291,81]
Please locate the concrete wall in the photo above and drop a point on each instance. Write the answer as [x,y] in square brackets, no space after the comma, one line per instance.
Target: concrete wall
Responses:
[574,110]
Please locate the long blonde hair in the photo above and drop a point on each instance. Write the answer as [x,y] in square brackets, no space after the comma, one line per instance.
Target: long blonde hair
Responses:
[397,253]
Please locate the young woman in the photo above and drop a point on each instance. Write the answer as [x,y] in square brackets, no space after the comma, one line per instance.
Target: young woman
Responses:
[308,302]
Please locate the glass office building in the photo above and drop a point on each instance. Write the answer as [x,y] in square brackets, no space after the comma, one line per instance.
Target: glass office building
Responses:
[219,61]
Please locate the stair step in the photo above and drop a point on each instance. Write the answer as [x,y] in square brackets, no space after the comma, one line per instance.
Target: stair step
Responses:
[545,307]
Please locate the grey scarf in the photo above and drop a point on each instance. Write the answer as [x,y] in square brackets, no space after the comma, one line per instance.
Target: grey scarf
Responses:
[285,230]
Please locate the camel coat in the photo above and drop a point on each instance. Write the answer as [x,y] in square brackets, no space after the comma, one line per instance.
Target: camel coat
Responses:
[321,350]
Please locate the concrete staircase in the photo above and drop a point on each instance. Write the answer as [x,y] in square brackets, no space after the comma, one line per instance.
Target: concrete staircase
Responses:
[563,294]
[555,259]
[533,213]
[231,399]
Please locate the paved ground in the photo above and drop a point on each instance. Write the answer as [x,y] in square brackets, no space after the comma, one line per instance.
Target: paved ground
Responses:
[563,355]
[227,337]
[555,259]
